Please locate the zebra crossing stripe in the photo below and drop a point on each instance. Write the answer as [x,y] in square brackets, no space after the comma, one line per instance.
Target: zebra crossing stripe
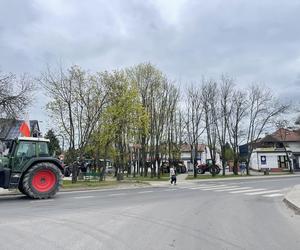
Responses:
[263,192]
[272,195]
[215,188]
[247,190]
[203,186]
[233,189]
[224,188]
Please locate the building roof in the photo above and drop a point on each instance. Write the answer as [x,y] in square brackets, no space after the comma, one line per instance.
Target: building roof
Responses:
[283,135]
[10,128]
[185,147]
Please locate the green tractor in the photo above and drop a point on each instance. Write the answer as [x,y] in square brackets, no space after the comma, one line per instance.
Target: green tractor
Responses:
[30,168]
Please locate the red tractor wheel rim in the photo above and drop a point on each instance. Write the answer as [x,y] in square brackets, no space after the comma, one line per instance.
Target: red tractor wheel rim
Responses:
[43,180]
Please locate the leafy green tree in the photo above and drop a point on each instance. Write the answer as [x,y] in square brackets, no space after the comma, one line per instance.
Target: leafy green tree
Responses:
[123,119]
[54,147]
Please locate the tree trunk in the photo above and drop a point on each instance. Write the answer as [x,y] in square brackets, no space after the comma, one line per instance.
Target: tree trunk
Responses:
[223,161]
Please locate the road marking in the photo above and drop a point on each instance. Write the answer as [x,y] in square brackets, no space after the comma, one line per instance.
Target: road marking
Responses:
[224,188]
[205,186]
[233,189]
[116,194]
[199,186]
[272,195]
[42,201]
[83,197]
[145,192]
[247,190]
[221,187]
[263,192]
[167,190]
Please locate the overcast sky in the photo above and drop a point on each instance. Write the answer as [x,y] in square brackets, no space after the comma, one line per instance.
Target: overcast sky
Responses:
[252,41]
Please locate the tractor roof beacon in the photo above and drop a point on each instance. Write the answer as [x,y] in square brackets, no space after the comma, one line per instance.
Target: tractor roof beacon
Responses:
[30,168]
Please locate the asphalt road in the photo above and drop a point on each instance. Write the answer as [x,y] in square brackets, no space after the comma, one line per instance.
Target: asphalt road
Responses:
[236,214]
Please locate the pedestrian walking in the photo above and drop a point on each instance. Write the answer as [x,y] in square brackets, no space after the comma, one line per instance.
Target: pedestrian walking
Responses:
[243,168]
[173,176]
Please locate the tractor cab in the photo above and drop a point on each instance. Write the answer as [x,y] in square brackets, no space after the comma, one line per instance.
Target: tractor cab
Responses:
[29,167]
[24,149]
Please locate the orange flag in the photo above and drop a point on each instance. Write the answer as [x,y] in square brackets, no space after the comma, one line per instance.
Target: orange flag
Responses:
[25,130]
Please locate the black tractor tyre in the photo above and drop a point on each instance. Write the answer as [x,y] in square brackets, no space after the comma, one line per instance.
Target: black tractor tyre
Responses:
[42,180]
[67,172]
[215,170]
[200,171]
[21,188]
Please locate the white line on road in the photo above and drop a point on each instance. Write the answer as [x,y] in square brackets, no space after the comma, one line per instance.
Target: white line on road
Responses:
[233,189]
[167,190]
[264,192]
[224,188]
[83,197]
[116,194]
[218,188]
[42,201]
[247,190]
[205,186]
[272,195]
[145,192]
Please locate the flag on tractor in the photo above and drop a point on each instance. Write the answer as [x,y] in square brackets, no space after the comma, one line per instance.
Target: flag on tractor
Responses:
[24,129]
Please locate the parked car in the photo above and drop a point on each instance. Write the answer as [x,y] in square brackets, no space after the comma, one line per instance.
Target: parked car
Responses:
[109,170]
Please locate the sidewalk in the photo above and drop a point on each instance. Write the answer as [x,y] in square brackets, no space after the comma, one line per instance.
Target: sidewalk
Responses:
[181,178]
[6,192]
[292,199]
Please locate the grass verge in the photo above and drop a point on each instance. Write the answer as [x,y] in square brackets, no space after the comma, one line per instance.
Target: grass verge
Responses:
[141,178]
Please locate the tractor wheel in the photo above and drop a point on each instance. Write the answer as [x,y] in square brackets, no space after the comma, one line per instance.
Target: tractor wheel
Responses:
[21,188]
[68,172]
[42,180]
[200,171]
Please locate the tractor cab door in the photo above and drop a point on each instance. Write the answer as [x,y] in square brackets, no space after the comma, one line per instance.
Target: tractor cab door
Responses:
[25,150]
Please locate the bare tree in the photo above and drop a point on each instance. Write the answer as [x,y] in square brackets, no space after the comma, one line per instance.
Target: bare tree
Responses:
[263,108]
[16,93]
[209,96]
[238,112]
[163,116]
[78,99]
[222,115]
[193,120]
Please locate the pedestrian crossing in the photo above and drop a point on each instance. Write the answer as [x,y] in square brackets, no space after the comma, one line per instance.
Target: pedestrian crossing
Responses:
[236,190]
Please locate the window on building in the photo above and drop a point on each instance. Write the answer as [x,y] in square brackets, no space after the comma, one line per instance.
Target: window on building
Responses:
[282,161]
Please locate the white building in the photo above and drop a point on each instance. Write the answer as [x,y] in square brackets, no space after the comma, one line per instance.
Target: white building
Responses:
[274,151]
[202,156]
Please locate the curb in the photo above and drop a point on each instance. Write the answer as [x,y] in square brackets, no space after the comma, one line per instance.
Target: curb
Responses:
[292,206]
[292,199]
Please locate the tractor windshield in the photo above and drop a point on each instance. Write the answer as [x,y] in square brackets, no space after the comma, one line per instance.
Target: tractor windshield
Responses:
[26,150]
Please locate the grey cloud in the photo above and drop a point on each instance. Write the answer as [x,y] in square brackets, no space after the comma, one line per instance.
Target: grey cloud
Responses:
[254,41]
